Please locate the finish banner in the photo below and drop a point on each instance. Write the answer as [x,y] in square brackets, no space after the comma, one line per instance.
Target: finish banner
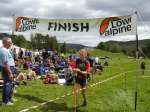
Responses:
[110,26]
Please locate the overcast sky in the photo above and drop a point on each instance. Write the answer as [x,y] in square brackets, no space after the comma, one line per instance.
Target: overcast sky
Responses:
[77,9]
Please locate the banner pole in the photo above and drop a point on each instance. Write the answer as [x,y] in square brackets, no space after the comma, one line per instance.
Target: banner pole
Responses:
[13,25]
[137,56]
[75,94]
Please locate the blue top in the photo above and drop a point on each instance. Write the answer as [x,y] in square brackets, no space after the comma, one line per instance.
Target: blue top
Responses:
[6,57]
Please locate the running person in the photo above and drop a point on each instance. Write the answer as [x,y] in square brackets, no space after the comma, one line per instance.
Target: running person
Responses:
[82,68]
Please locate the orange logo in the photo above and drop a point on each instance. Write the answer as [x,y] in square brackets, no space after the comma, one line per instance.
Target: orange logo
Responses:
[105,23]
[18,22]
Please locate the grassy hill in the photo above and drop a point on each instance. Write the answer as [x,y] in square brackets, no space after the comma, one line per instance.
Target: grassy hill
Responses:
[115,93]
[102,53]
[128,47]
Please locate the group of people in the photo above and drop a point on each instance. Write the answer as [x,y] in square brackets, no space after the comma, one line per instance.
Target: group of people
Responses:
[43,63]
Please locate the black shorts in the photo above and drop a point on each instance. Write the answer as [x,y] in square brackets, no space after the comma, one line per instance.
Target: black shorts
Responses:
[82,82]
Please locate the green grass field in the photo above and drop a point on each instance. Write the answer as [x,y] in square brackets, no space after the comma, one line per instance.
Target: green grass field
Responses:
[115,95]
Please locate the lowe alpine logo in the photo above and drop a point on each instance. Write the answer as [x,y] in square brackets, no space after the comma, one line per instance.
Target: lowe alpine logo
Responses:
[115,25]
[25,24]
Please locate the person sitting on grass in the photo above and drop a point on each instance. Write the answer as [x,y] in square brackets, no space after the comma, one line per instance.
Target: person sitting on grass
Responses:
[31,75]
[98,66]
[21,78]
[50,79]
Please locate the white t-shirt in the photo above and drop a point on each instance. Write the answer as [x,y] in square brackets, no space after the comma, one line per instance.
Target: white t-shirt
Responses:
[96,60]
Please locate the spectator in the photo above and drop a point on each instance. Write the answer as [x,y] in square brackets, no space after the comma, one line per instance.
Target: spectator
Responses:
[20,53]
[8,69]
[106,61]
[143,67]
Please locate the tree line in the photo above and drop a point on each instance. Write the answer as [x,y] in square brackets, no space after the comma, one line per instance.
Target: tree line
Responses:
[39,41]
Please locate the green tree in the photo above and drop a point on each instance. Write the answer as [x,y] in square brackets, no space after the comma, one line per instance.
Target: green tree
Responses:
[63,48]
[102,45]
[39,42]
[115,48]
[20,41]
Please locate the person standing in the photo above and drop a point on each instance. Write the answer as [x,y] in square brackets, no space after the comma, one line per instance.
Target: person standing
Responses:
[106,61]
[82,69]
[8,68]
[142,66]
[20,53]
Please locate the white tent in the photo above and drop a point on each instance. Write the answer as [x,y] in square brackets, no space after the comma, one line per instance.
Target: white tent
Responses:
[1,43]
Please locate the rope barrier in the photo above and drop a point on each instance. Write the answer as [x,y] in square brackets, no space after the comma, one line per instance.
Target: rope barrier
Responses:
[71,93]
